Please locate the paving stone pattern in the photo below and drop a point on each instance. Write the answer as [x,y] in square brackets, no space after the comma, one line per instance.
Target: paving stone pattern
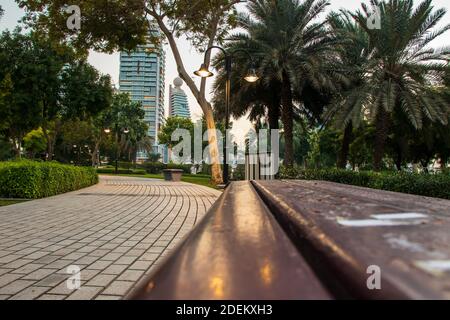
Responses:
[116,232]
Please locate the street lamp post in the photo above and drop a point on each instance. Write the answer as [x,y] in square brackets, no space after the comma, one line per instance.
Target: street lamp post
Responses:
[251,77]
[116,151]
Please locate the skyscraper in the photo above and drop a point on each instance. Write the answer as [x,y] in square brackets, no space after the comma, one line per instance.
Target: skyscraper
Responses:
[142,75]
[179,105]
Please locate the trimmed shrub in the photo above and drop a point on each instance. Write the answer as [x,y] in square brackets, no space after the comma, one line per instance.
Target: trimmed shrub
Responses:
[121,171]
[153,167]
[113,171]
[430,185]
[158,167]
[33,180]
[125,165]
[139,171]
[185,167]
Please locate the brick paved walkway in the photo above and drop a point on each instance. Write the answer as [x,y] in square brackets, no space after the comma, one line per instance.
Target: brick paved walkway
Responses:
[116,232]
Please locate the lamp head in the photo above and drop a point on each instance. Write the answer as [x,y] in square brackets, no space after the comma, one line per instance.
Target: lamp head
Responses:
[251,76]
[203,72]
[107,131]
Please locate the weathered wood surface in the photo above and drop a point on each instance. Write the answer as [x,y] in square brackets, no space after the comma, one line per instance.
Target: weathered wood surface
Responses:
[342,230]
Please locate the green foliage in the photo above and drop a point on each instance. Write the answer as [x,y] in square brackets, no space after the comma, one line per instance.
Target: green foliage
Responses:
[397,70]
[172,124]
[323,149]
[85,92]
[5,149]
[185,167]
[153,167]
[239,173]
[127,21]
[35,142]
[290,49]
[437,185]
[158,167]
[24,77]
[121,171]
[154,157]
[33,180]
[43,84]
[105,26]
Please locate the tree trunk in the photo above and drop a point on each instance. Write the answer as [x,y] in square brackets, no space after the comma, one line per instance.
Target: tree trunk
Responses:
[399,159]
[94,155]
[198,94]
[274,112]
[216,173]
[17,145]
[51,138]
[288,121]
[381,134]
[345,146]
[424,163]
[443,162]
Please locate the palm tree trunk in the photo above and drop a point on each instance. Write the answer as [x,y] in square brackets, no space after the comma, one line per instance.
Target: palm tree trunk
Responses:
[345,146]
[274,112]
[288,120]
[381,134]
[399,152]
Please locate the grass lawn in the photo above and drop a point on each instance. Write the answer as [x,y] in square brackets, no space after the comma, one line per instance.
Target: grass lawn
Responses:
[200,179]
[9,202]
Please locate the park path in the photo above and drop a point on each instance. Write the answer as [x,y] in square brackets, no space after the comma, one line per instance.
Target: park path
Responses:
[115,232]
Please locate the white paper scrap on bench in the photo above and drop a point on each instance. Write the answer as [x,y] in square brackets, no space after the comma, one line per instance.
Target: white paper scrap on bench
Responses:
[374,223]
[399,216]
[435,267]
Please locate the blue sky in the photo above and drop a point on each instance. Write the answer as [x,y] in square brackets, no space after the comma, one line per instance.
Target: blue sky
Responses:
[110,63]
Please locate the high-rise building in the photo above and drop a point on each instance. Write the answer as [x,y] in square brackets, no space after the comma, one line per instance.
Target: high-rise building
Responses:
[142,75]
[179,105]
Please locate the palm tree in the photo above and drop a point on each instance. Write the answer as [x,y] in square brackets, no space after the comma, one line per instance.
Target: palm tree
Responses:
[351,56]
[290,49]
[400,69]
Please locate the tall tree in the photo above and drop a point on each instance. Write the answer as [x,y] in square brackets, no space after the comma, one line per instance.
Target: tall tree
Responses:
[81,93]
[125,115]
[351,55]
[124,24]
[290,47]
[21,79]
[401,69]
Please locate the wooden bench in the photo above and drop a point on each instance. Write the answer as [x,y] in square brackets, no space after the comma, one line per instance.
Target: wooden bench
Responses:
[238,251]
[310,240]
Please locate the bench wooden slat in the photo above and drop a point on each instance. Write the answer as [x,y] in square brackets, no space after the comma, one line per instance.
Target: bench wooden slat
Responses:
[238,251]
[342,231]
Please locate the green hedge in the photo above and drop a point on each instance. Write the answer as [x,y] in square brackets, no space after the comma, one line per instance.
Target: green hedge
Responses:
[121,171]
[33,180]
[430,185]
[158,167]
